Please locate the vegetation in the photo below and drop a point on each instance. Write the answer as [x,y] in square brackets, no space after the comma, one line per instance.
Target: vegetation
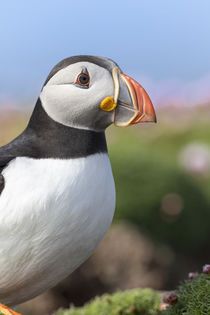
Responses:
[147,167]
[192,297]
[141,302]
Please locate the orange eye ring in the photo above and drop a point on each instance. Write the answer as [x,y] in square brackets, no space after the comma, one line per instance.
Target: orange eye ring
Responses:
[83,79]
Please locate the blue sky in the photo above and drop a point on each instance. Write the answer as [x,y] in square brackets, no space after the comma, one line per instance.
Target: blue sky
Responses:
[161,42]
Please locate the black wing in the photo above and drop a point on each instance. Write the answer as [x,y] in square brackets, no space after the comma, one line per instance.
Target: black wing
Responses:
[20,146]
[4,160]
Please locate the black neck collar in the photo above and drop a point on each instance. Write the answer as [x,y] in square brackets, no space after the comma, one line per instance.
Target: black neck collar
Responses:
[58,141]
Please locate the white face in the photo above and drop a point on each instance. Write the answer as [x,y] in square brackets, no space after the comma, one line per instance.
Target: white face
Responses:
[77,106]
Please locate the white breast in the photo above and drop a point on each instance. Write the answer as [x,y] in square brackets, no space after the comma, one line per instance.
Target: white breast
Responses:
[53,214]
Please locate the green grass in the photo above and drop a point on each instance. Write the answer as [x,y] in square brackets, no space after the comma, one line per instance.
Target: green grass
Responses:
[193,297]
[141,302]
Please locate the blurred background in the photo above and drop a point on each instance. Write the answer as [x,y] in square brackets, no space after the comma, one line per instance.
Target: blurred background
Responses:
[162,172]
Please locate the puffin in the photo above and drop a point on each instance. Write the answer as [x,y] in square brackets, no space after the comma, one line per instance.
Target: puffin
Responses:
[57,192]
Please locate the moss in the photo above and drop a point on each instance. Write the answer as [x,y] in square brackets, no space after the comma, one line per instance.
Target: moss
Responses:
[136,302]
[193,297]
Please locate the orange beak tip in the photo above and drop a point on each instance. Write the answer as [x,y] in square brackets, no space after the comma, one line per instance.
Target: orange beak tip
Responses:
[137,109]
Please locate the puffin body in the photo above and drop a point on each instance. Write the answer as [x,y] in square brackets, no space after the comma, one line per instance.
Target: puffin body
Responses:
[58,196]
[55,225]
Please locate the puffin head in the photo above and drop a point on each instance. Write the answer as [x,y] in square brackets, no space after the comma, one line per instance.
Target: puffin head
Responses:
[89,92]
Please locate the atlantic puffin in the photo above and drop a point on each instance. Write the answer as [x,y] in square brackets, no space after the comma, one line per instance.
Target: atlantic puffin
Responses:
[57,193]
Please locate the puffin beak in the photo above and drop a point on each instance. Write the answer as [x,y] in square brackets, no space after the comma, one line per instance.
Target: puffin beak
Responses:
[133,103]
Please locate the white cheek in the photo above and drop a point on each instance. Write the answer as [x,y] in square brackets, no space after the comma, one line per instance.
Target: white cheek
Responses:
[56,100]
[66,103]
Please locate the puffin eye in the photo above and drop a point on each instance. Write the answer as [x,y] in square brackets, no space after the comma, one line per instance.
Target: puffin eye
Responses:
[83,79]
